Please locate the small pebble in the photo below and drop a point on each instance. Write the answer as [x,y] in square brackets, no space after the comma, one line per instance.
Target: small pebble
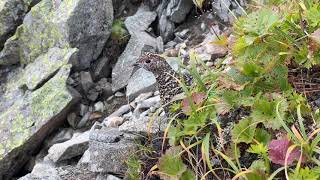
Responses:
[119,94]
[114,121]
[203,26]
[209,64]
[99,107]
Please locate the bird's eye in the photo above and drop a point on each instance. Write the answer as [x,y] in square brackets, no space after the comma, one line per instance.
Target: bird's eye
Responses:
[148,61]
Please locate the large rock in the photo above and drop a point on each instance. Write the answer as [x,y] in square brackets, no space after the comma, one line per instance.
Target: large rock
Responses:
[69,149]
[109,149]
[169,13]
[144,125]
[140,41]
[11,14]
[142,81]
[28,117]
[45,171]
[46,65]
[140,21]
[42,171]
[61,24]
[177,10]
[166,28]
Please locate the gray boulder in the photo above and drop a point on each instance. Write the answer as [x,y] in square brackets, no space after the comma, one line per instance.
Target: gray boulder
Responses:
[42,171]
[27,118]
[142,81]
[63,135]
[177,10]
[169,13]
[140,41]
[62,24]
[74,147]
[140,21]
[109,149]
[11,14]
[166,28]
[144,125]
[46,65]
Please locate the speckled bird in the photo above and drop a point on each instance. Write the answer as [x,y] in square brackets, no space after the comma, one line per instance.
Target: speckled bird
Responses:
[166,77]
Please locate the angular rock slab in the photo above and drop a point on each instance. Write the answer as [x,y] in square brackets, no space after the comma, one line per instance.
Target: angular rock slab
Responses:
[61,24]
[144,125]
[109,149]
[11,14]
[46,65]
[139,41]
[42,171]
[30,118]
[69,149]
[142,81]
[177,10]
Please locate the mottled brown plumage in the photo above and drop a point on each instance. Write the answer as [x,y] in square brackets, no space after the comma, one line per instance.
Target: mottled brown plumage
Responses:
[167,78]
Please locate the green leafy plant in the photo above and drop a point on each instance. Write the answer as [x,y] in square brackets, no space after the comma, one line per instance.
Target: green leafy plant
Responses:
[119,32]
[171,166]
[134,168]
[247,117]
[244,131]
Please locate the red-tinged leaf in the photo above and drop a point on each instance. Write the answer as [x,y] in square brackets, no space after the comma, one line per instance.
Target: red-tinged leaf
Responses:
[314,42]
[278,149]
[315,36]
[197,99]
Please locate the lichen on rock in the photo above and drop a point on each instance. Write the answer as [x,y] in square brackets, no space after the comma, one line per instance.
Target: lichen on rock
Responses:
[30,118]
[11,14]
[62,25]
[46,65]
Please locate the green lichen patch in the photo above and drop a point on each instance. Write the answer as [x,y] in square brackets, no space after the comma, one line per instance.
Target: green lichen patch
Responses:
[45,66]
[32,111]
[40,34]
[51,98]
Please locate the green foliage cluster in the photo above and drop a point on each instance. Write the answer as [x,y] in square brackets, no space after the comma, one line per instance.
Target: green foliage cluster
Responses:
[275,38]
[119,32]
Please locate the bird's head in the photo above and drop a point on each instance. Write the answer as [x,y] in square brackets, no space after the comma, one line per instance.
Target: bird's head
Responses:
[152,62]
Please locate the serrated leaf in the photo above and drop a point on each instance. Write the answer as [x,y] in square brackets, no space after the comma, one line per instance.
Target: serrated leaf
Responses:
[313,15]
[251,70]
[305,174]
[259,169]
[265,111]
[170,164]
[262,136]
[134,168]
[244,131]
[197,100]
[173,135]
[188,175]
[258,22]
[258,149]
[258,164]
